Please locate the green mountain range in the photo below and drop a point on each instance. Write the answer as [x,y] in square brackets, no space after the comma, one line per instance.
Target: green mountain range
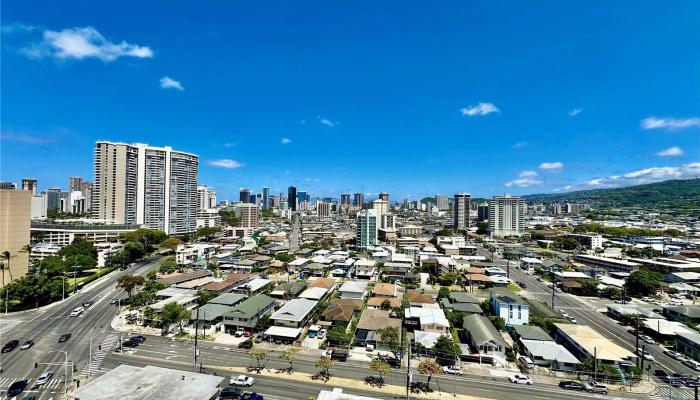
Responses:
[680,194]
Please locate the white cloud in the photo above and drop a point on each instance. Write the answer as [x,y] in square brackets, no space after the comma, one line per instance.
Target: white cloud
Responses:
[519,145]
[669,123]
[574,112]
[286,140]
[80,43]
[551,166]
[671,152]
[327,122]
[525,179]
[640,177]
[230,144]
[26,139]
[17,27]
[480,109]
[167,82]
[226,163]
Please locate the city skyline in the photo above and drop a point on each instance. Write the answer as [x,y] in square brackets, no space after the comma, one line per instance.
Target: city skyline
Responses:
[469,111]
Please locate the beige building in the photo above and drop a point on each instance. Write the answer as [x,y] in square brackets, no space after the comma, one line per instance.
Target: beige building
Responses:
[15,218]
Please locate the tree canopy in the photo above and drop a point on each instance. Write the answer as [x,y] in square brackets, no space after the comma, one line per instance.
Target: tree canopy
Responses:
[446,350]
[168,265]
[643,282]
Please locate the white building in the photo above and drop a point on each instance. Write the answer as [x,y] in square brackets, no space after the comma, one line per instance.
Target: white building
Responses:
[206,197]
[505,216]
[39,206]
[208,217]
[189,253]
[461,210]
[442,202]
[151,186]
[366,234]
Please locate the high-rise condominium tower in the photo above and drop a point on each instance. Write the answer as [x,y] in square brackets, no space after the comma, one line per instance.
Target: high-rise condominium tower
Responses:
[358,200]
[266,198]
[366,234]
[292,198]
[505,216]
[206,197]
[151,186]
[461,211]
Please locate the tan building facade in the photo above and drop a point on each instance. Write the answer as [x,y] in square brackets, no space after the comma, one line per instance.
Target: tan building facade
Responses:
[15,219]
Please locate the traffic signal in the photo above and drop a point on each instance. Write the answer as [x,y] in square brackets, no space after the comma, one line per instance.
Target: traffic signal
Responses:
[36,365]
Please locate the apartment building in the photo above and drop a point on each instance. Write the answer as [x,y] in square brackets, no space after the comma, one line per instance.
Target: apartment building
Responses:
[461,210]
[506,217]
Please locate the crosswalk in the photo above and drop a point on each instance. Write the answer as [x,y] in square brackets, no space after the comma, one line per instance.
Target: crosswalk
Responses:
[98,355]
[54,383]
[667,393]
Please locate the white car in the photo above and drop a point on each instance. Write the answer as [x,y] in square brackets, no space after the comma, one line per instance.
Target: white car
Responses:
[241,380]
[239,332]
[452,370]
[647,298]
[647,339]
[564,313]
[673,354]
[520,379]
[572,320]
[321,334]
[692,364]
[43,378]
[77,311]
[645,354]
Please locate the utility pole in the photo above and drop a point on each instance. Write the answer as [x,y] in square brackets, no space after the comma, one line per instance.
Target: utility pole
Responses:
[595,364]
[75,267]
[643,350]
[196,333]
[553,286]
[408,373]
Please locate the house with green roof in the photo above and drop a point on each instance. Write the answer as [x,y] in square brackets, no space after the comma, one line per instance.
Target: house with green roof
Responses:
[247,313]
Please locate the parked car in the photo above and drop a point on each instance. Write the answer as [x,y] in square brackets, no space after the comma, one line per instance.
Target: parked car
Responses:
[322,333]
[239,332]
[647,339]
[647,298]
[369,348]
[526,361]
[9,346]
[595,387]
[230,392]
[259,338]
[645,354]
[43,378]
[520,379]
[138,338]
[241,380]
[29,397]
[692,364]
[64,338]
[571,385]
[312,334]
[452,369]
[251,396]
[26,345]
[673,354]
[17,387]
[246,344]
[564,313]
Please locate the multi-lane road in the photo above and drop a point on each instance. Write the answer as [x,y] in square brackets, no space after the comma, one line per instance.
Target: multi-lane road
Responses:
[90,331]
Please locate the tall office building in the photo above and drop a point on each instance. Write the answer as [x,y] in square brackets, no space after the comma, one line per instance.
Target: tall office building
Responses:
[151,186]
[482,212]
[244,196]
[266,198]
[461,211]
[345,198]
[253,198]
[15,221]
[384,196]
[442,202]
[29,184]
[303,196]
[323,209]
[74,183]
[358,199]
[366,231]
[53,199]
[206,197]
[505,216]
[292,198]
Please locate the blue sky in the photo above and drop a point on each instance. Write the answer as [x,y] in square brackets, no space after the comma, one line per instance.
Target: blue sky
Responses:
[412,98]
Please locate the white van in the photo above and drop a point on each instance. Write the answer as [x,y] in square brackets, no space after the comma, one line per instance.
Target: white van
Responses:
[526,361]
[77,311]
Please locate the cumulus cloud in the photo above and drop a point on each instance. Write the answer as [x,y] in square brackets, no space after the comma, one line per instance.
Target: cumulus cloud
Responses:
[226,163]
[286,140]
[519,145]
[669,123]
[525,179]
[551,166]
[80,43]
[574,112]
[480,109]
[640,177]
[167,82]
[327,122]
[671,152]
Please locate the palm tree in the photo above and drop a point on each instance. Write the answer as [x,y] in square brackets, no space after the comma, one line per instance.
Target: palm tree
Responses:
[27,248]
[6,255]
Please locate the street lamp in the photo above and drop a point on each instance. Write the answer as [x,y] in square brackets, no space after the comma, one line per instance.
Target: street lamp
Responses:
[75,280]
[65,371]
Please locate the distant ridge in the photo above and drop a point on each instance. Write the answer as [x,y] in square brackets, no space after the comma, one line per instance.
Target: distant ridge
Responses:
[678,193]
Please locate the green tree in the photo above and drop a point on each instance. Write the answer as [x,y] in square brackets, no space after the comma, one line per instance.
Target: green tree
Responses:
[498,322]
[130,282]
[324,364]
[290,355]
[171,243]
[444,292]
[204,296]
[285,257]
[390,337]
[52,266]
[339,336]
[208,232]
[229,218]
[446,350]
[168,265]
[643,282]
[258,355]
[174,313]
[566,243]
[482,228]
[430,368]
[379,366]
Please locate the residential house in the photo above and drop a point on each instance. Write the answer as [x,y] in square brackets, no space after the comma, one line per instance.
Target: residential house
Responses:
[326,283]
[584,342]
[247,313]
[549,354]
[353,290]
[181,277]
[379,302]
[417,299]
[294,314]
[365,268]
[229,284]
[426,319]
[288,290]
[227,299]
[340,311]
[387,291]
[314,269]
[254,286]
[507,305]
[371,323]
[482,339]
[689,313]
[528,263]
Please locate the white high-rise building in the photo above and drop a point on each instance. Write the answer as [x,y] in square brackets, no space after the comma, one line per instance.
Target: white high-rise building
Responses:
[505,216]
[151,186]
[461,211]
[366,233]
[381,207]
[442,202]
[323,209]
[206,197]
